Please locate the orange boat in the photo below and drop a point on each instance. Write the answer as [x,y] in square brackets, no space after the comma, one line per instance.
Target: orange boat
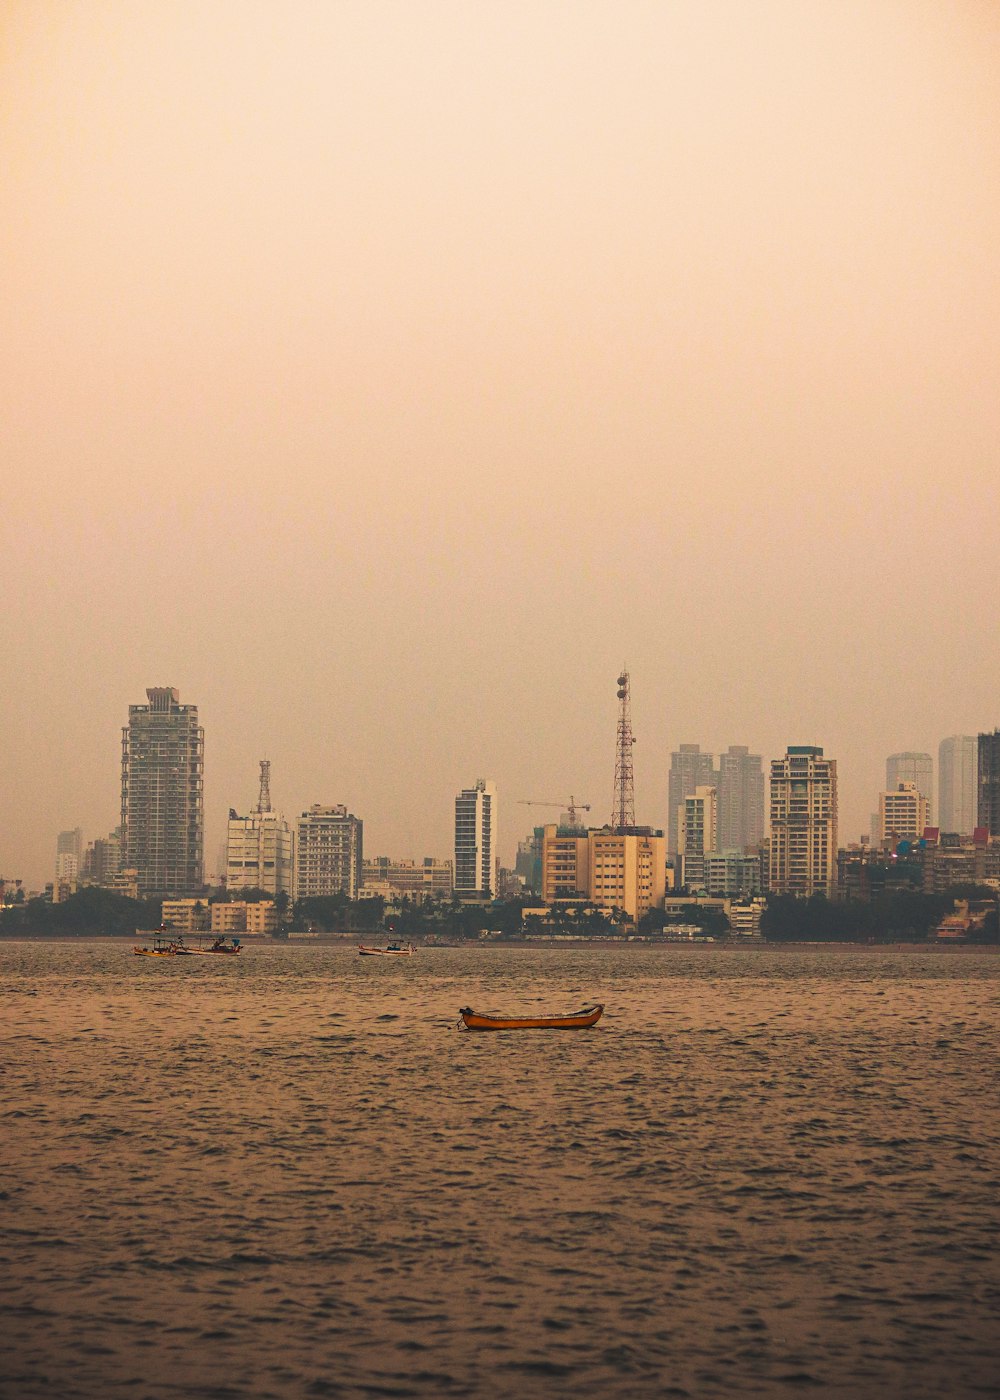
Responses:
[578,1021]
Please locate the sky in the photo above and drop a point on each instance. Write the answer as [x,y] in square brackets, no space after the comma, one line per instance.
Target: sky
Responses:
[385,376]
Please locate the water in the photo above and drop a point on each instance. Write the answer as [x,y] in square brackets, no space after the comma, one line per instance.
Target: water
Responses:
[766,1172]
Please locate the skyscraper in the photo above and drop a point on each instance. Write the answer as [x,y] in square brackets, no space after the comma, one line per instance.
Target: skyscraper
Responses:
[803,851]
[689,769]
[477,863]
[989,782]
[917,768]
[163,755]
[740,799]
[328,852]
[957,791]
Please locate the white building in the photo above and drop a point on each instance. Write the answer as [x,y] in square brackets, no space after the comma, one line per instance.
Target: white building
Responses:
[902,814]
[803,849]
[328,852]
[916,768]
[260,853]
[477,858]
[696,833]
[689,769]
[957,784]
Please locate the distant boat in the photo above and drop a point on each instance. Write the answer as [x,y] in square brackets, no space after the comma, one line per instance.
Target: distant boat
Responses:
[164,946]
[221,946]
[577,1021]
[392,950]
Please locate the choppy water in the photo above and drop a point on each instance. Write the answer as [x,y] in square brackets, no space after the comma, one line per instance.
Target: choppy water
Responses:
[287,1175]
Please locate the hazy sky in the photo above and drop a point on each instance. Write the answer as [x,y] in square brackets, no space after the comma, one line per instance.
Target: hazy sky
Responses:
[384,375]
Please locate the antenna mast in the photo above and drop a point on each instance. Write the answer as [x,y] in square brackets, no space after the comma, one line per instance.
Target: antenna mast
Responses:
[264,799]
[623,815]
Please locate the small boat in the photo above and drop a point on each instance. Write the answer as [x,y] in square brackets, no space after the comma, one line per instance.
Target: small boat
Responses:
[163,947]
[392,950]
[221,946]
[578,1021]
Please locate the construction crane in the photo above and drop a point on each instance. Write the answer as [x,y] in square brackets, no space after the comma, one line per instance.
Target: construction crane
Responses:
[571,807]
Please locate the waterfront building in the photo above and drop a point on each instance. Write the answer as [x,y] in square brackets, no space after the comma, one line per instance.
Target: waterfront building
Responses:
[565,864]
[744,917]
[528,863]
[740,793]
[163,750]
[689,769]
[803,850]
[628,870]
[328,852]
[988,782]
[730,873]
[903,815]
[419,880]
[916,768]
[260,852]
[957,793]
[477,859]
[610,869]
[240,916]
[186,915]
[696,834]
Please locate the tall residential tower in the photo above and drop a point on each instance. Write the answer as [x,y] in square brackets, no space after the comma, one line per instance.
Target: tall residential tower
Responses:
[163,825]
[957,784]
[477,859]
[803,851]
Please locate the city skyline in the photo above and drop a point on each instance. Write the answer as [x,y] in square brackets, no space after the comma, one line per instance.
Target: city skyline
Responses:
[386,377]
[510,838]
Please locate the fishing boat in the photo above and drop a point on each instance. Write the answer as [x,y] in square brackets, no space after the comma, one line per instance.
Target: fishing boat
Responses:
[577,1021]
[392,950]
[163,947]
[221,946]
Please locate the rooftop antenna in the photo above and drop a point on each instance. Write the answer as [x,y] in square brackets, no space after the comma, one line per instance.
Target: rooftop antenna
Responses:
[623,814]
[264,799]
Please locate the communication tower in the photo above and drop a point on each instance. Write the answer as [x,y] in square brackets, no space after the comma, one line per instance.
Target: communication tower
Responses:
[623,814]
[264,799]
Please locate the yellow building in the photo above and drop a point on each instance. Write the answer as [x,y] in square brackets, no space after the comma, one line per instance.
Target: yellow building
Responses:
[185,915]
[238,916]
[626,871]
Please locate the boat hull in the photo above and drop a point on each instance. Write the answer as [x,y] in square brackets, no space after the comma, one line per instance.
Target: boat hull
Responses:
[385,952]
[580,1021]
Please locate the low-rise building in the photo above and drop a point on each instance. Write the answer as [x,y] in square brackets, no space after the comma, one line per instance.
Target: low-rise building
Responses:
[186,915]
[240,916]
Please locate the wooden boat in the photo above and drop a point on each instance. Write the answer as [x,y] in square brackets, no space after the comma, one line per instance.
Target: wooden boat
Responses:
[221,946]
[394,950]
[162,948]
[578,1021]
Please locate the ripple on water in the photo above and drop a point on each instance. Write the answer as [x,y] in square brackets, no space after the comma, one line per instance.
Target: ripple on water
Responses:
[765,1172]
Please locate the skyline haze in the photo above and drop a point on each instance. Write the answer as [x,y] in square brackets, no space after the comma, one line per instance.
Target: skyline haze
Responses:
[384,378]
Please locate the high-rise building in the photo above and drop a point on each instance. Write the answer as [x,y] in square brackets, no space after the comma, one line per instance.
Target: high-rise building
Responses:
[957,791]
[69,854]
[740,799]
[988,783]
[612,869]
[328,852]
[803,847]
[163,758]
[916,768]
[260,847]
[697,834]
[689,769]
[477,860]
[903,815]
